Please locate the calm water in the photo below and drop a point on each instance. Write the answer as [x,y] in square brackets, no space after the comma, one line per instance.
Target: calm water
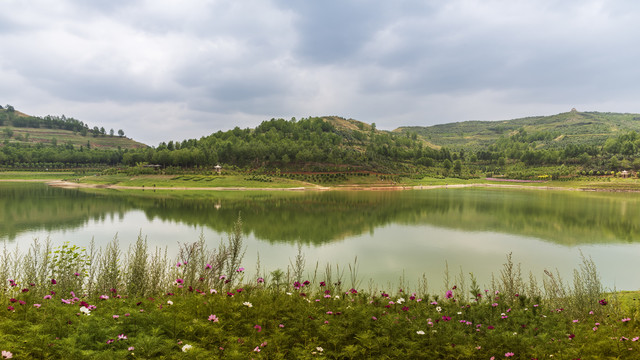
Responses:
[393,234]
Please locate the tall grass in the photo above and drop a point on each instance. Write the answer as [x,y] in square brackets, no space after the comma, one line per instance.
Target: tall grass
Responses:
[145,304]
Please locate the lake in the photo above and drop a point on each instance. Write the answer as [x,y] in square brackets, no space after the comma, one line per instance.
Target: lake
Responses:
[393,234]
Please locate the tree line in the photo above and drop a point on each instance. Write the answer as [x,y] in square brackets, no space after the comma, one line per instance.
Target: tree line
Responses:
[293,144]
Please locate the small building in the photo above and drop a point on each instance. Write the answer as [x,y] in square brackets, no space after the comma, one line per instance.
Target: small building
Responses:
[624,174]
[218,168]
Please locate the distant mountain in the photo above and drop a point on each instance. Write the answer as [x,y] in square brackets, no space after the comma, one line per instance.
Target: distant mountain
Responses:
[18,127]
[574,127]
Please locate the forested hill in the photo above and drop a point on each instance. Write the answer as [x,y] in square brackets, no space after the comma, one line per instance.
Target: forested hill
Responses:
[557,131]
[19,129]
[314,143]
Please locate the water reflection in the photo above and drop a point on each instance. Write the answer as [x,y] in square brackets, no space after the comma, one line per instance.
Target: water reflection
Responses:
[565,218]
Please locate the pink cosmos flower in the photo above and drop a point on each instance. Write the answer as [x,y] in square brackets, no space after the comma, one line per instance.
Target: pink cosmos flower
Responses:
[213,318]
[116,316]
[509,354]
[6,354]
[626,319]
[131,348]
[258,327]
[449,294]
[37,306]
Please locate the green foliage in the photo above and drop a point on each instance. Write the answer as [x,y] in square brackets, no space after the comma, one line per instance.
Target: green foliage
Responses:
[287,319]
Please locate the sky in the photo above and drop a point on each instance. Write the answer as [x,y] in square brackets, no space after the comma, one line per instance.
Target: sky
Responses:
[172,70]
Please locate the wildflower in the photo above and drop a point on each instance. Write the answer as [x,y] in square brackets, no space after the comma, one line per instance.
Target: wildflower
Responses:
[494,304]
[490,327]
[53,281]
[131,348]
[374,318]
[240,269]
[213,318]
[169,302]
[626,319]
[37,306]
[322,283]
[110,341]
[575,321]
[10,308]
[636,338]
[400,300]
[281,325]
[21,302]
[186,348]
[257,349]
[509,354]
[449,294]
[213,291]
[405,308]
[319,349]
[122,337]
[25,290]
[104,297]
[258,327]
[208,267]
[438,309]
[603,302]
[260,280]
[6,354]
[222,277]
[571,336]
[595,328]
[247,304]
[85,310]
[420,332]
[116,316]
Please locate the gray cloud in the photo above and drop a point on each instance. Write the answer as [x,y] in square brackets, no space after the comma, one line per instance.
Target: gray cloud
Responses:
[162,70]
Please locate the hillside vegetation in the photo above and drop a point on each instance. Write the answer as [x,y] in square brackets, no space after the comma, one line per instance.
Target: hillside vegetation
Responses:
[19,128]
[574,127]
[558,147]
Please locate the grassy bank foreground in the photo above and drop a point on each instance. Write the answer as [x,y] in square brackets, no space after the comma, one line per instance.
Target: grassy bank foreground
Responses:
[75,303]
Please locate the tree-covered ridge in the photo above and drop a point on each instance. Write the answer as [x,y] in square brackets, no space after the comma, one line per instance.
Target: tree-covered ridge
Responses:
[10,117]
[57,141]
[292,143]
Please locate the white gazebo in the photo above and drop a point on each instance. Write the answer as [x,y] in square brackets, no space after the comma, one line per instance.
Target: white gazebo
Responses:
[218,168]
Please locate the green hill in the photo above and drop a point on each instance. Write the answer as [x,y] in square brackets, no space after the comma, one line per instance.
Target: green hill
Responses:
[574,127]
[19,128]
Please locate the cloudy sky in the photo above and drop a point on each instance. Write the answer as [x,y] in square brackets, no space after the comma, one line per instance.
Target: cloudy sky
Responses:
[169,70]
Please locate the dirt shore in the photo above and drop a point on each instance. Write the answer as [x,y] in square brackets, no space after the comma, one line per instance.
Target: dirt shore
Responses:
[72,185]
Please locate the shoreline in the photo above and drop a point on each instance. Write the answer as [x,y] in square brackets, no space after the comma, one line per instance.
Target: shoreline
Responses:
[73,185]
